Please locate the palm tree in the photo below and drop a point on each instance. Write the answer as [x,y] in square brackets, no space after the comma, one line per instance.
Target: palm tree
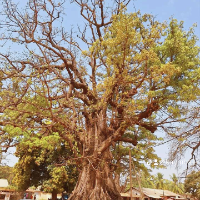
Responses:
[147,181]
[175,186]
[159,181]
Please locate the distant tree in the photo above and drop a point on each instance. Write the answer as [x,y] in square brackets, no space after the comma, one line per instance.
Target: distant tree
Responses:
[146,180]
[6,172]
[160,181]
[192,184]
[44,167]
[175,186]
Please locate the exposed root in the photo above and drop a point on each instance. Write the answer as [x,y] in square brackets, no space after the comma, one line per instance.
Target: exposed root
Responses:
[92,185]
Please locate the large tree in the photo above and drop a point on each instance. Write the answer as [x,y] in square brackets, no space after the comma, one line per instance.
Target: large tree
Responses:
[132,73]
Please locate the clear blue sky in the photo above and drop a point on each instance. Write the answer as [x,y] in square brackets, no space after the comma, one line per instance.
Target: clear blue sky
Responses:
[188,11]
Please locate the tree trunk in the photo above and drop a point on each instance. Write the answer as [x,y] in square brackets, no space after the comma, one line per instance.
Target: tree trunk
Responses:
[54,195]
[96,182]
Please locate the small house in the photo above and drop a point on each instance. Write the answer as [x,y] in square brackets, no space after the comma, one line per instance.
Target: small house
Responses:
[151,194]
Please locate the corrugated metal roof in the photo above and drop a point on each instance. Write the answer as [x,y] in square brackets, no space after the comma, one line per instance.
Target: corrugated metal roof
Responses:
[3,183]
[154,196]
[155,193]
[135,193]
[128,195]
[169,193]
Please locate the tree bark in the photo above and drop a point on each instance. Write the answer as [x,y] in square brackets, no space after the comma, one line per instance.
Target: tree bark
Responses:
[96,182]
[96,179]
[117,181]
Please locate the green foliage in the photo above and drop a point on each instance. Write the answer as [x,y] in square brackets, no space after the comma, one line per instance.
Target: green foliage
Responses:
[42,164]
[167,54]
[143,155]
[192,184]
[6,172]
[136,77]
[175,186]
[158,182]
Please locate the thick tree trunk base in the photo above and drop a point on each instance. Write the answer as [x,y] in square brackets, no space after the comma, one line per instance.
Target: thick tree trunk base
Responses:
[95,185]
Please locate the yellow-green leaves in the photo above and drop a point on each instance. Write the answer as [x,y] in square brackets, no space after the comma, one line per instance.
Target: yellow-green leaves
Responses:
[159,59]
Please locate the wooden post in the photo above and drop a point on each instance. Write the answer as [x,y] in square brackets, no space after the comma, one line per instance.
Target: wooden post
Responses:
[139,183]
[130,173]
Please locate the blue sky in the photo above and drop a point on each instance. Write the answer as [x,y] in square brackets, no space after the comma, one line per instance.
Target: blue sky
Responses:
[188,11]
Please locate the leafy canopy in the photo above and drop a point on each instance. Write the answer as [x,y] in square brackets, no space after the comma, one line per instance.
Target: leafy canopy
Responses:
[137,75]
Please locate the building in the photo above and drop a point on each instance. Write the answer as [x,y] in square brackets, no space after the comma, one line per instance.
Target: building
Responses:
[3,183]
[151,194]
[40,195]
[6,193]
[10,194]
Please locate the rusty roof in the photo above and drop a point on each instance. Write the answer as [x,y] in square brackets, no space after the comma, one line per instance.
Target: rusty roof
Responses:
[155,193]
